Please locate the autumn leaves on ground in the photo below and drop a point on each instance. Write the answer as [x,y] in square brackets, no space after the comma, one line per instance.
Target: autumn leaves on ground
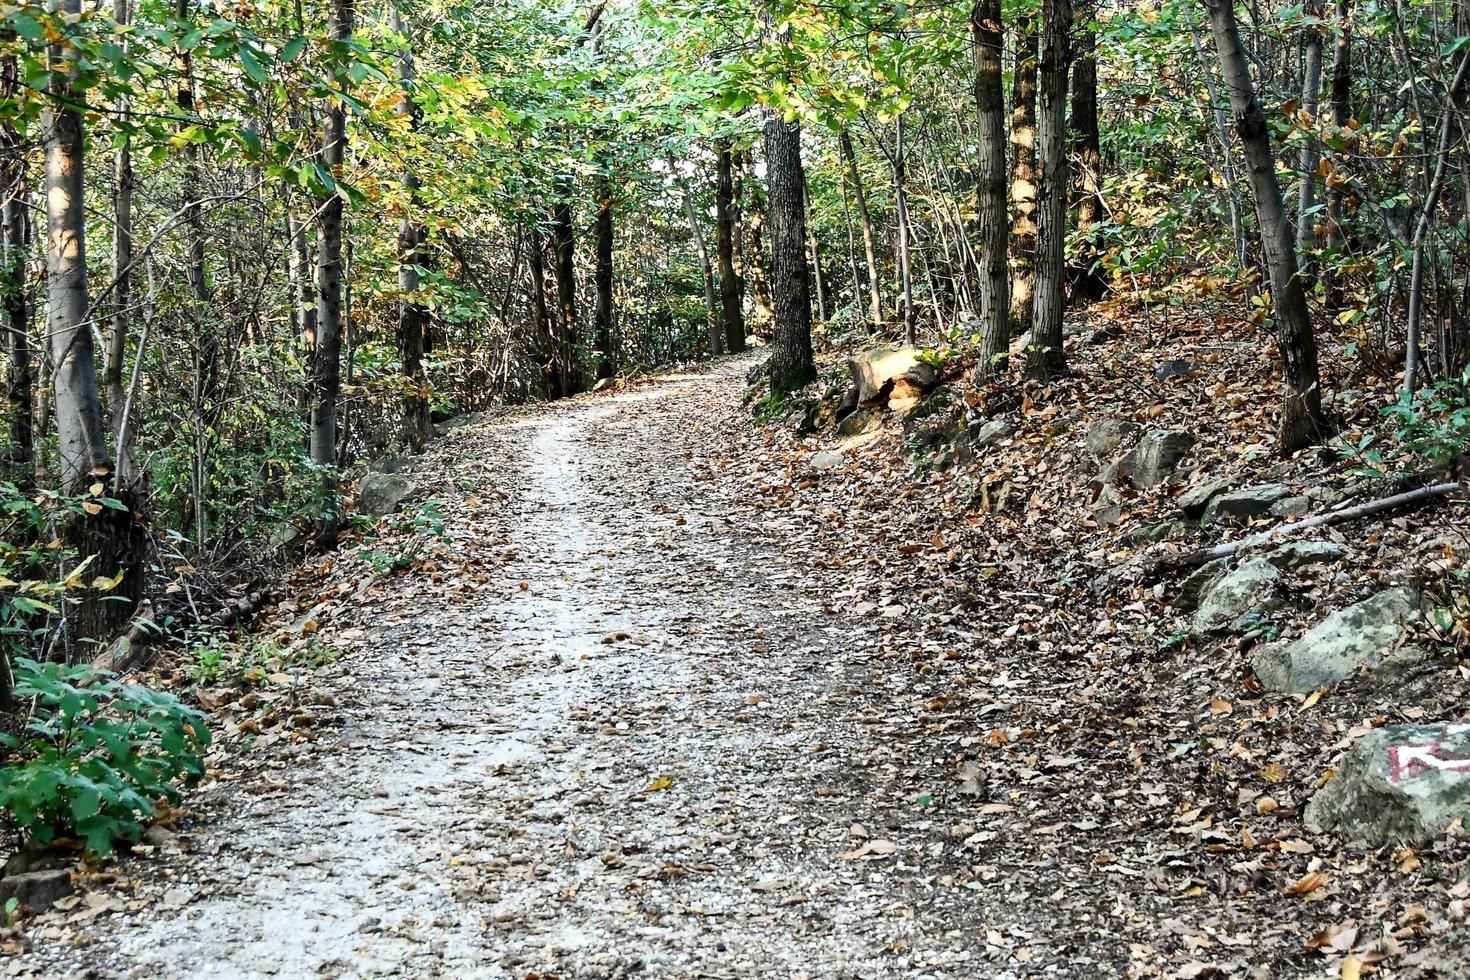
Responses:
[902,682]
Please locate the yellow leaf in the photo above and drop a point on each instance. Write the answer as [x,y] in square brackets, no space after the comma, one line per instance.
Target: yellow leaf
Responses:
[663,782]
[1352,968]
[91,508]
[96,488]
[1274,773]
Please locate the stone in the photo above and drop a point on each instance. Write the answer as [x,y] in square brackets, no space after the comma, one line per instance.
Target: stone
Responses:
[1192,502]
[1106,435]
[603,384]
[1364,634]
[1177,368]
[1103,334]
[284,541]
[1306,554]
[991,432]
[1155,458]
[1397,784]
[36,890]
[1295,506]
[1246,502]
[826,460]
[1199,582]
[1248,589]
[882,375]
[388,464]
[863,420]
[382,493]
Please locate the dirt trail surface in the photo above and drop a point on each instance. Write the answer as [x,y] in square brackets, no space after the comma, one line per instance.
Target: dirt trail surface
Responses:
[625,749]
[667,698]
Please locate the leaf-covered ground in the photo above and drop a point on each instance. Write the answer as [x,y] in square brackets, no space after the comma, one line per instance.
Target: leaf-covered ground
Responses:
[666,700]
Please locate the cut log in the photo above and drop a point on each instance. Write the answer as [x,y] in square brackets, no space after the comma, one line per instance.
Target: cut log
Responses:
[1412,498]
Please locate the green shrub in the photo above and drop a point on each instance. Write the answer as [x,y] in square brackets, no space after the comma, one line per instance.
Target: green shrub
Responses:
[1435,423]
[96,756]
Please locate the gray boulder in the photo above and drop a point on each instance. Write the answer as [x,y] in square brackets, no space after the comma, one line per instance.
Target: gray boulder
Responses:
[382,493]
[826,460]
[1250,588]
[36,890]
[860,421]
[1291,507]
[1364,634]
[1247,502]
[1192,502]
[1176,368]
[1398,784]
[989,433]
[1108,434]
[1155,458]
[1306,554]
[1199,582]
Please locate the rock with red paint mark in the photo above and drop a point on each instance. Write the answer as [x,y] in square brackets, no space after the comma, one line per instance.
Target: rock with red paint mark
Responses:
[1365,634]
[1400,783]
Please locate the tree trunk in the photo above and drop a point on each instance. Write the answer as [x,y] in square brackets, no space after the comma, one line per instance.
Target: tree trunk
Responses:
[897,164]
[113,539]
[1310,149]
[565,247]
[541,318]
[327,362]
[731,287]
[1301,416]
[818,280]
[756,266]
[1046,358]
[1023,177]
[1089,284]
[706,270]
[860,198]
[20,381]
[791,364]
[1227,152]
[1341,99]
[116,333]
[990,186]
[412,314]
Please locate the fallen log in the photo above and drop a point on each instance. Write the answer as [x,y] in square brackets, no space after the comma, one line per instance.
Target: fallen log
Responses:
[1411,498]
[123,653]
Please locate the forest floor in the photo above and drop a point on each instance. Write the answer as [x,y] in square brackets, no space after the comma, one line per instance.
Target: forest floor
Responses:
[661,700]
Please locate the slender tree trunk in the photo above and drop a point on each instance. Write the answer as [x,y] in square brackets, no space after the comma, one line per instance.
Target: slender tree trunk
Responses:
[602,281]
[565,248]
[1023,177]
[1302,423]
[897,166]
[20,382]
[1227,152]
[791,364]
[541,318]
[116,333]
[1341,100]
[412,235]
[1046,357]
[1310,150]
[990,186]
[759,286]
[818,280]
[327,364]
[1090,283]
[701,250]
[111,538]
[860,199]
[732,300]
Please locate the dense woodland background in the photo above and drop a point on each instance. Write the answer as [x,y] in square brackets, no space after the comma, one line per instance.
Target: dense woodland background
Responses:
[248,249]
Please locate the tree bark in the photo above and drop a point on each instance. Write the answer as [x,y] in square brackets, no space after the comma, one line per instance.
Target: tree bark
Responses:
[701,251]
[860,198]
[113,539]
[20,380]
[116,333]
[897,166]
[1023,176]
[327,362]
[1045,357]
[412,235]
[565,249]
[990,187]
[732,289]
[1089,284]
[1302,423]
[791,364]
[756,266]
[1340,98]
[541,318]
[818,280]
[1310,150]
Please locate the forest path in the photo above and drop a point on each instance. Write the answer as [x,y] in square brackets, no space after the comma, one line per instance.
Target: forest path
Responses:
[640,761]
